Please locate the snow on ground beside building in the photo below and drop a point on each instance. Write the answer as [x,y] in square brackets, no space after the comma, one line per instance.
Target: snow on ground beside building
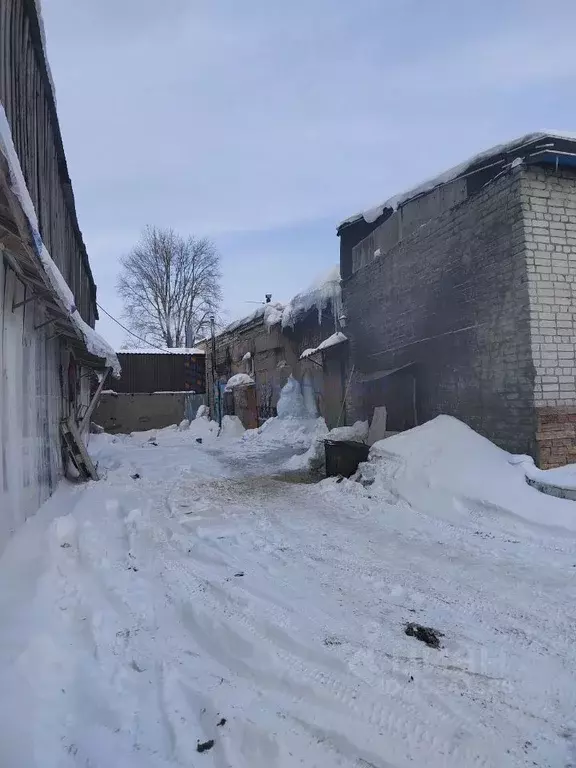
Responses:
[191,597]
[314,458]
[444,466]
[559,477]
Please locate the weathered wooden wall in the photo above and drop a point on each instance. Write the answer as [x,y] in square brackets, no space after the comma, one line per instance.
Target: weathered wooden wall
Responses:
[27,97]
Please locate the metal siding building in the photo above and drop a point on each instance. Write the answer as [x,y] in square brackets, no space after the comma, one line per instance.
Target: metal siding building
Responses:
[157,371]
[44,363]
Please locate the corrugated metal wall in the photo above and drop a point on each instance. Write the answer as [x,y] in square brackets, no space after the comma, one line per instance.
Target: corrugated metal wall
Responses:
[26,95]
[161,373]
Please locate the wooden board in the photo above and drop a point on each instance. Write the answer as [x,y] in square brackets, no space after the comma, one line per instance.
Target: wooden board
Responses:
[76,450]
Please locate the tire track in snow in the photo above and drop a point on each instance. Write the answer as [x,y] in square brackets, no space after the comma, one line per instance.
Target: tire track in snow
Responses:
[301,672]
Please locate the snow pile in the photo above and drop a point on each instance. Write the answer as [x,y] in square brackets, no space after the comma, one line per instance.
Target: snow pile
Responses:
[291,402]
[232,427]
[315,457]
[394,202]
[331,341]
[203,412]
[358,432]
[184,425]
[247,356]
[325,290]
[239,380]
[446,469]
[296,429]
[560,477]
[293,434]
[94,342]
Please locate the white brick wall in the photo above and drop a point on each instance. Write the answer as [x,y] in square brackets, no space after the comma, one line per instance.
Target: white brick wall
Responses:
[549,205]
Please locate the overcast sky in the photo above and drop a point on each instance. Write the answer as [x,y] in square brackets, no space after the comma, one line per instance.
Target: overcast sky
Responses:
[262,123]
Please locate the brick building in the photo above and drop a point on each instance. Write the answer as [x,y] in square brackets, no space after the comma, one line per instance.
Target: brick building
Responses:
[269,345]
[459,299]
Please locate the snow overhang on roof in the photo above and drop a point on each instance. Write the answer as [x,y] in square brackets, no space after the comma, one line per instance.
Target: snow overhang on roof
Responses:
[35,268]
[159,351]
[269,313]
[555,147]
[331,341]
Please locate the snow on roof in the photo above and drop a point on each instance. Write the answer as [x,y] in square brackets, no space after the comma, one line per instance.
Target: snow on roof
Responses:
[331,341]
[271,314]
[95,344]
[325,289]
[239,380]
[166,351]
[395,201]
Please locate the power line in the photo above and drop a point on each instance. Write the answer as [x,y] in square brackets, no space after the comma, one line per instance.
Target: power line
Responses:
[148,344]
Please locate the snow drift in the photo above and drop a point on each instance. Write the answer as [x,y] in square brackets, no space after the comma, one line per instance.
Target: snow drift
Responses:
[295,427]
[445,468]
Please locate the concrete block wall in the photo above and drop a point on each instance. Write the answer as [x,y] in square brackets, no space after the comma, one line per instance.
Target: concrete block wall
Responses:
[549,210]
[124,412]
[451,301]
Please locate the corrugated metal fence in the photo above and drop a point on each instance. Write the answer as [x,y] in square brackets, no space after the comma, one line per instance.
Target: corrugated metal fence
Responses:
[161,372]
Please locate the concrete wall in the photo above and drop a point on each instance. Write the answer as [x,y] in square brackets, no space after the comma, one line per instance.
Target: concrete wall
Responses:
[448,305]
[549,208]
[127,413]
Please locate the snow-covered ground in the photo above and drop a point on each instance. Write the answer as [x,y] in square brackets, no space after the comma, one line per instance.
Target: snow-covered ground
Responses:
[194,594]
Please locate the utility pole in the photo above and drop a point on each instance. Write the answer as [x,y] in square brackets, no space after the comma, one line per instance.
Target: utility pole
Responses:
[215,382]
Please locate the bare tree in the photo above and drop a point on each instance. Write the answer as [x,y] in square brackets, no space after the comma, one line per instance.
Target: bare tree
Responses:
[170,287]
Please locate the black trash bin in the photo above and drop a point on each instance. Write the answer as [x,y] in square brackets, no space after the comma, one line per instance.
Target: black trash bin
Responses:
[343,457]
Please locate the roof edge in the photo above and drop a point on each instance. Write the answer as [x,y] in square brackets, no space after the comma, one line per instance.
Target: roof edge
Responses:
[473,164]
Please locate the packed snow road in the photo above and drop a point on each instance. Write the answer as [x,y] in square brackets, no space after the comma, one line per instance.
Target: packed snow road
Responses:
[193,608]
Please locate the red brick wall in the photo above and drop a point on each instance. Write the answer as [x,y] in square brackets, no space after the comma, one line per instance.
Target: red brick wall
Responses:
[556,436]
